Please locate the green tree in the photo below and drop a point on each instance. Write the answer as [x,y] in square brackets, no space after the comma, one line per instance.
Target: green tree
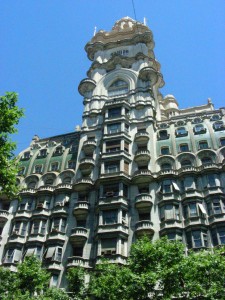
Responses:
[8,283]
[31,277]
[161,269]
[76,283]
[10,115]
[55,294]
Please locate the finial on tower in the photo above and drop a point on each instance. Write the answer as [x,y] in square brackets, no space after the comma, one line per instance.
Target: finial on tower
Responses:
[145,21]
[95,30]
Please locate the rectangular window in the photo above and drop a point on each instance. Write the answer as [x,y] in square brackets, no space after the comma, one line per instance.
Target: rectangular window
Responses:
[114,128]
[58,254]
[54,280]
[211,180]
[181,132]
[112,167]
[165,151]
[126,167]
[54,166]
[38,169]
[108,246]
[110,217]
[78,251]
[184,148]
[222,141]
[126,146]
[111,190]
[163,135]
[114,112]
[167,186]
[112,146]
[203,145]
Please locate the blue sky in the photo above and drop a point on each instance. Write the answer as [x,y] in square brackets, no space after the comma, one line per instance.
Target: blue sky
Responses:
[42,54]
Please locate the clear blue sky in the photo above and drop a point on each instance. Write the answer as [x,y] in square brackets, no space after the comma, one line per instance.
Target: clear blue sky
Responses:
[42,54]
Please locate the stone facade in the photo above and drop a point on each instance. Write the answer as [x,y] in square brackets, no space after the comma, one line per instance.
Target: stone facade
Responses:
[139,165]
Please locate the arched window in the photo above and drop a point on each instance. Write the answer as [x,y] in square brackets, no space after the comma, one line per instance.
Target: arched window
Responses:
[31,185]
[166,166]
[206,160]
[67,179]
[119,87]
[49,181]
[186,163]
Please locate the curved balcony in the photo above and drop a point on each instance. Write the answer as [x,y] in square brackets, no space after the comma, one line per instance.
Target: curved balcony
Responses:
[3,216]
[89,146]
[86,85]
[78,235]
[83,184]
[141,176]
[168,172]
[27,191]
[53,265]
[141,138]
[148,74]
[45,189]
[143,201]
[187,169]
[144,228]
[142,157]
[77,261]
[86,165]
[63,187]
[81,208]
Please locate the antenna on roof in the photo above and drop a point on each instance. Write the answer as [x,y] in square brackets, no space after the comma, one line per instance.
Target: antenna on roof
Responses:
[145,21]
[95,29]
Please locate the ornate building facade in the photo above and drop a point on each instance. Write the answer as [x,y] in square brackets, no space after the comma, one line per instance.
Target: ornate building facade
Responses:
[138,165]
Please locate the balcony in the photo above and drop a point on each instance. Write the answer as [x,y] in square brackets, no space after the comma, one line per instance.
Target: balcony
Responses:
[78,235]
[141,138]
[36,237]
[114,259]
[143,201]
[56,236]
[141,176]
[167,172]
[81,208]
[86,165]
[60,209]
[16,237]
[53,265]
[28,191]
[216,219]
[77,261]
[209,166]
[144,228]
[63,187]
[41,211]
[45,189]
[142,157]
[140,104]
[3,216]
[190,193]
[111,230]
[23,214]
[171,224]
[195,221]
[83,184]
[112,202]
[188,169]
[212,190]
[89,146]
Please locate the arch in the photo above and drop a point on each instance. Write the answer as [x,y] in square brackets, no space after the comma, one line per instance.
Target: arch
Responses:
[32,180]
[181,157]
[206,153]
[118,87]
[166,159]
[65,174]
[105,82]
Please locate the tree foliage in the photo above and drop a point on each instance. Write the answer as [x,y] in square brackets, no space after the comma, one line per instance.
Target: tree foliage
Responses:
[76,283]
[160,270]
[10,115]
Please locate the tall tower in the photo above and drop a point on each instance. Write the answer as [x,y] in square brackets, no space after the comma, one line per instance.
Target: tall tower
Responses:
[121,106]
